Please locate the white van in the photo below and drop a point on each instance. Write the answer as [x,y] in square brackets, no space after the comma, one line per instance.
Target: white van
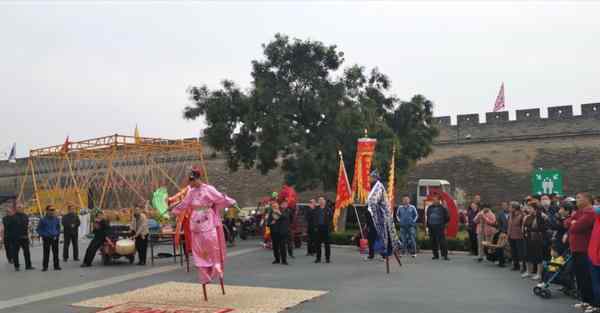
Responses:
[427,186]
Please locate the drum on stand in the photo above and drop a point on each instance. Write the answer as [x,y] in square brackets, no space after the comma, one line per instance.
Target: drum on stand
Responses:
[125,247]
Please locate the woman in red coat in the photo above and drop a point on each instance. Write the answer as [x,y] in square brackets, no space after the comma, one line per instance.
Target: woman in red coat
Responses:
[580,226]
[594,254]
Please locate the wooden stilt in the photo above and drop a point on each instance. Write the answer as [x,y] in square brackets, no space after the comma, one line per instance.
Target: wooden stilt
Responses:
[387,264]
[222,286]
[204,291]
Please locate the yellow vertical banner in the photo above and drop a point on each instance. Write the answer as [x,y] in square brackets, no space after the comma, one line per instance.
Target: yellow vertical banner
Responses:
[136,134]
[392,181]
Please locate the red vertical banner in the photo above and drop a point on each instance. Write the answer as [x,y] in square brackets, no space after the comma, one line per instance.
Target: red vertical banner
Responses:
[361,185]
[343,197]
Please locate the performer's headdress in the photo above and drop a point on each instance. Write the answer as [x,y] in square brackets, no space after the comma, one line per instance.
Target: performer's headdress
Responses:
[196,173]
[375,175]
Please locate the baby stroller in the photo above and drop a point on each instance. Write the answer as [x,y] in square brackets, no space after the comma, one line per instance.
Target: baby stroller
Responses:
[561,277]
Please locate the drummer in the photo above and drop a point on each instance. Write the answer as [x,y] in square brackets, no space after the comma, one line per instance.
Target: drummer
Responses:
[101,231]
[139,229]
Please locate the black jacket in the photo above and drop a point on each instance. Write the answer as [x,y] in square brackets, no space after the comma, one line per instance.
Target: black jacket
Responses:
[70,223]
[281,225]
[4,223]
[309,216]
[445,217]
[101,230]
[327,217]
[17,226]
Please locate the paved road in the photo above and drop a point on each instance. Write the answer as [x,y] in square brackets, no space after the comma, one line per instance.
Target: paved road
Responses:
[421,285]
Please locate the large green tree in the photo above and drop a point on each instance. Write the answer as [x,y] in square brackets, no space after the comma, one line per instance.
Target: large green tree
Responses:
[302,107]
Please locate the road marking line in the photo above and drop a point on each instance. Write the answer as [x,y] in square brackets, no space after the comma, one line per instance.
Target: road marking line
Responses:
[100,283]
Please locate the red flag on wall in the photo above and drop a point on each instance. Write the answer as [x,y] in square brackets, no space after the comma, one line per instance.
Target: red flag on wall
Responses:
[343,197]
[65,146]
[499,104]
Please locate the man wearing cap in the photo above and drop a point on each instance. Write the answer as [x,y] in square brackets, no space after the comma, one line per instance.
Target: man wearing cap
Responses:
[49,230]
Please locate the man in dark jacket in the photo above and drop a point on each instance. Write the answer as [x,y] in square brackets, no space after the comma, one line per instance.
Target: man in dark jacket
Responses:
[279,223]
[101,231]
[9,213]
[49,230]
[437,219]
[311,227]
[71,222]
[18,237]
[292,220]
[323,219]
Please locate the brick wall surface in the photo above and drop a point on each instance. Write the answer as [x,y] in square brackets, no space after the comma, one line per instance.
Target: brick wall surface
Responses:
[501,171]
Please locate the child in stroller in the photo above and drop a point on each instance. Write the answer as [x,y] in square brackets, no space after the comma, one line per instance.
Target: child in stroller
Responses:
[557,272]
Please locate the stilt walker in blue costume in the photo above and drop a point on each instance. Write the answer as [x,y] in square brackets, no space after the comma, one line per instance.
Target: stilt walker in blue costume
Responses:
[387,242]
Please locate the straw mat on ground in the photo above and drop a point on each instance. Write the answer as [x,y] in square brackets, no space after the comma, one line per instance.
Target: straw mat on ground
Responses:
[161,308]
[243,299]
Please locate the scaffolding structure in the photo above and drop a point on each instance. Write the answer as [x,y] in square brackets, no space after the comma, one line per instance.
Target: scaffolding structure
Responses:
[109,172]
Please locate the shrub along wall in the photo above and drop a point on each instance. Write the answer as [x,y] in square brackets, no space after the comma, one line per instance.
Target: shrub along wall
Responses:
[460,243]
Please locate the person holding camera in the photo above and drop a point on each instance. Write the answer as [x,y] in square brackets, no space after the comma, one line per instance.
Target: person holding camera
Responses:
[279,223]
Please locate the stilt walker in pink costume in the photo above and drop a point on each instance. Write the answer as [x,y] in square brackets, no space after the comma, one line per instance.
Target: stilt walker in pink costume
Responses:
[202,204]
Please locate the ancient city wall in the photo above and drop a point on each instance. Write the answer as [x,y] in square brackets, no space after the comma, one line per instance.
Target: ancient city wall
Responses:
[497,158]
[494,158]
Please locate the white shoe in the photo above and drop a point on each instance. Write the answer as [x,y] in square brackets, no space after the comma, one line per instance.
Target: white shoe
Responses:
[536,277]
[525,275]
[414,256]
[541,285]
[592,309]
[581,305]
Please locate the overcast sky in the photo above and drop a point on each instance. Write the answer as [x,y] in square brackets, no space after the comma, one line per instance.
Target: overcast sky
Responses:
[94,69]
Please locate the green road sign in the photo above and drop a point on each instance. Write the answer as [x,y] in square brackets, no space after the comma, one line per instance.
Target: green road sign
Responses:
[547,182]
